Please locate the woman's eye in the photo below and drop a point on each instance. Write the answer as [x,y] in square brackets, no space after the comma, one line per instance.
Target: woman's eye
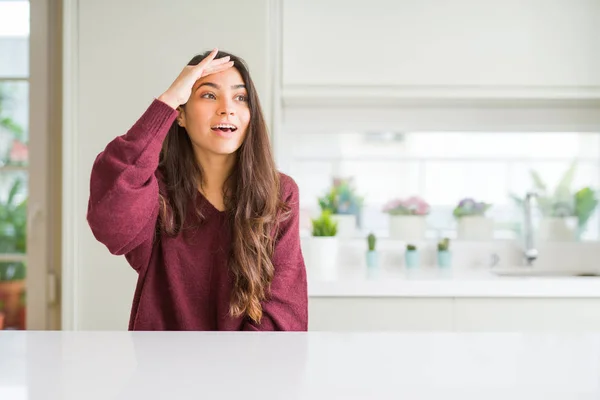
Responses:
[208,96]
[242,97]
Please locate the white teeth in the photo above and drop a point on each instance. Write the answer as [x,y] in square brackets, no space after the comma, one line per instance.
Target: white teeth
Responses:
[224,126]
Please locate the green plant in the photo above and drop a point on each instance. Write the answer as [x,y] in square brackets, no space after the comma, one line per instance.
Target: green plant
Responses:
[8,124]
[13,212]
[411,247]
[324,225]
[341,198]
[560,202]
[586,202]
[371,240]
[6,121]
[444,245]
[13,231]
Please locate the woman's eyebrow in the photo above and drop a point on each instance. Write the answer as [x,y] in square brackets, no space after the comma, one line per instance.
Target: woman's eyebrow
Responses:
[214,85]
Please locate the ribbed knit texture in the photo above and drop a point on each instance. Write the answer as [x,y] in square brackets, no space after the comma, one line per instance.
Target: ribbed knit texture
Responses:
[184,282]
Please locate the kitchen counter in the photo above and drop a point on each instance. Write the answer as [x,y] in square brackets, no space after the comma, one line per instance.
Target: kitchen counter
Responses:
[455,282]
[216,365]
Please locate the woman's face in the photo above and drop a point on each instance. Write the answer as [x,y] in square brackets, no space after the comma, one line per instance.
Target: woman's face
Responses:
[217,114]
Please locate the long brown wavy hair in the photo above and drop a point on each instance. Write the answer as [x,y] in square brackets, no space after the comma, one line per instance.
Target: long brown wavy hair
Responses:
[251,195]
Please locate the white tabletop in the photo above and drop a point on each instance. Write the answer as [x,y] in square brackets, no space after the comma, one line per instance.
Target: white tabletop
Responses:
[195,365]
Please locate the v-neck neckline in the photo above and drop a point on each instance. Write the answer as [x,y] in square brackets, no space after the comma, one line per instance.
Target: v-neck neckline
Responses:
[210,207]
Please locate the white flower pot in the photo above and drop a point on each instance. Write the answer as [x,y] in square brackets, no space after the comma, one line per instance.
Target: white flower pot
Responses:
[346,225]
[323,256]
[557,229]
[407,227]
[475,228]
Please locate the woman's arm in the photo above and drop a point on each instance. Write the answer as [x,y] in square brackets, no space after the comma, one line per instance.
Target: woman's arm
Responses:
[124,193]
[123,202]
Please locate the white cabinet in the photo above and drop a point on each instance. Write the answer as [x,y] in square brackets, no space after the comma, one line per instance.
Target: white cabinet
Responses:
[519,314]
[511,48]
[379,314]
[454,314]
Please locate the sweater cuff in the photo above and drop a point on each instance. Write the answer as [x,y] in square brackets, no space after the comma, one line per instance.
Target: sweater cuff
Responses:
[159,114]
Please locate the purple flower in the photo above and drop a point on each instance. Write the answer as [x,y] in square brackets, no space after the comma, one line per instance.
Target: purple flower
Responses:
[469,206]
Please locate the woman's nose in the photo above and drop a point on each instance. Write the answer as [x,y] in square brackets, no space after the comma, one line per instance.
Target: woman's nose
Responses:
[226,108]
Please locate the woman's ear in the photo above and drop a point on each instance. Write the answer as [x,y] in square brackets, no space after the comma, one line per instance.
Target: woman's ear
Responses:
[181,117]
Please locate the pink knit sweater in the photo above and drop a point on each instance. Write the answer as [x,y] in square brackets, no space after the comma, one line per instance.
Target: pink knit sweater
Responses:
[183,282]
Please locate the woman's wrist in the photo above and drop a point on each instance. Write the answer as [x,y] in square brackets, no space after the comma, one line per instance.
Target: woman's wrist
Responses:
[169,100]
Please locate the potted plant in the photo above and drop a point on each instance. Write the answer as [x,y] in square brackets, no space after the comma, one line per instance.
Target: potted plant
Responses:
[324,245]
[472,221]
[343,204]
[564,214]
[411,256]
[1,315]
[444,256]
[407,218]
[23,312]
[559,222]
[372,255]
[13,223]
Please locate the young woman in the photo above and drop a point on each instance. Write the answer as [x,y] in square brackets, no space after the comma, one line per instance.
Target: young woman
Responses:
[192,198]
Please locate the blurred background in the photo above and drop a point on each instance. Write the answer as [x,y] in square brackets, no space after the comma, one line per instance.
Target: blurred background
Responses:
[414,129]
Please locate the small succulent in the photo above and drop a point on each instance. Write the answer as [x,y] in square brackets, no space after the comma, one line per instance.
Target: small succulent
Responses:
[444,245]
[371,240]
[324,225]
[411,247]
[411,206]
[470,207]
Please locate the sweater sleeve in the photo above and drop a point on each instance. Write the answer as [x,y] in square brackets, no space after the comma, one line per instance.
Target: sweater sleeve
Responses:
[123,203]
[287,307]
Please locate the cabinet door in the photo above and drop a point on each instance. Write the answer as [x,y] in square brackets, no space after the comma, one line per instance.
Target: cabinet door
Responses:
[379,314]
[520,314]
[419,45]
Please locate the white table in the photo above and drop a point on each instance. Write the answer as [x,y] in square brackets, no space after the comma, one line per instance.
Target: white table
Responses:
[196,365]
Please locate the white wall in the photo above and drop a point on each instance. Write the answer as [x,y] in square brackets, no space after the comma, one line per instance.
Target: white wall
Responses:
[119,56]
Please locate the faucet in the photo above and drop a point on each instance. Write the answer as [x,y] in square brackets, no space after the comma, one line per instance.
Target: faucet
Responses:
[530,251]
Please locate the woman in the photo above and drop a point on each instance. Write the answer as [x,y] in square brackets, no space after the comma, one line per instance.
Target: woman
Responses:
[191,196]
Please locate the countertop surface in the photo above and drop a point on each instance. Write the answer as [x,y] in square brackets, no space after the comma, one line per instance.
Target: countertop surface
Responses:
[217,365]
[453,282]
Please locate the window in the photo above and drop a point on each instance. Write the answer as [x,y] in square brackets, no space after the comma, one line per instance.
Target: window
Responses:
[14,108]
[442,168]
